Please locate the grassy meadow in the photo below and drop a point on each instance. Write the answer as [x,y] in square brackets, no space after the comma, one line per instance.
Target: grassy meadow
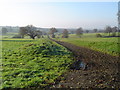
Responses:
[30,63]
[89,40]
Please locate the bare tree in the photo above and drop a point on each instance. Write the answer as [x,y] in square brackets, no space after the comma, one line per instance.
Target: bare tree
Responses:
[87,31]
[23,31]
[65,33]
[39,34]
[118,18]
[114,30]
[95,30]
[79,32]
[29,30]
[52,31]
[4,30]
[108,30]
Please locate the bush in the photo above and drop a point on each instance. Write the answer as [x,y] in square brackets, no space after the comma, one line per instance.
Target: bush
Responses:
[64,36]
[53,36]
[113,34]
[98,35]
[17,36]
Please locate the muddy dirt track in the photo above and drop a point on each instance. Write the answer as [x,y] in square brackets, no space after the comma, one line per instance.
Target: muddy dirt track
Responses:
[101,70]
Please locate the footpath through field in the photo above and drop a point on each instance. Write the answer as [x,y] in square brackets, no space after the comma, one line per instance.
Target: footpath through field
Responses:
[100,71]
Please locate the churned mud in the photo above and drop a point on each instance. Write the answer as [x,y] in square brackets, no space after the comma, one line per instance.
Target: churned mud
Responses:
[91,69]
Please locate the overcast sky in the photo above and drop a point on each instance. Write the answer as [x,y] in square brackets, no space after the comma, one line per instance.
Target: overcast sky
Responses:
[58,14]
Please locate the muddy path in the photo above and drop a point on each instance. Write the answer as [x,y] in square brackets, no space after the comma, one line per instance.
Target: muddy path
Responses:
[100,71]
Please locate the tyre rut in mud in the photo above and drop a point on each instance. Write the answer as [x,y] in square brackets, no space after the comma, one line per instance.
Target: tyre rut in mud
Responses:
[100,71]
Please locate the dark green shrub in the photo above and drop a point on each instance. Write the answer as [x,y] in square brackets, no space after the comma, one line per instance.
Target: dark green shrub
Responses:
[113,34]
[98,35]
[17,36]
[53,36]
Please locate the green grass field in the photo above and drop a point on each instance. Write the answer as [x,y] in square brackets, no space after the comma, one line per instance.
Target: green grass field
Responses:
[37,63]
[32,63]
[106,45]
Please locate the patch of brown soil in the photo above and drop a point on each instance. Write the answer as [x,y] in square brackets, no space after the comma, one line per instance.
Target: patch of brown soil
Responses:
[101,71]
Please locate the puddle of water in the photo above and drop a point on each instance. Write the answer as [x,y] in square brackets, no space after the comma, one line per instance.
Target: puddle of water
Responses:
[82,65]
[78,65]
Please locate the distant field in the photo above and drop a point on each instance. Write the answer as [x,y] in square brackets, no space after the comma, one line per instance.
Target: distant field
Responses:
[11,35]
[107,45]
[8,35]
[32,63]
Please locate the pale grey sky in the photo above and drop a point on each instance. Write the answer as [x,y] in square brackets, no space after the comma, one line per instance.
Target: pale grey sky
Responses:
[56,13]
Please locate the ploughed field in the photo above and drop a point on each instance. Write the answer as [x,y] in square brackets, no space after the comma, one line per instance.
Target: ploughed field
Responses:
[30,63]
[100,58]
[106,45]
[44,63]
[101,69]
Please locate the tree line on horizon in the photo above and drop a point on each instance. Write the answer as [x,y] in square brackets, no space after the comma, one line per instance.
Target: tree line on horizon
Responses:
[33,32]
